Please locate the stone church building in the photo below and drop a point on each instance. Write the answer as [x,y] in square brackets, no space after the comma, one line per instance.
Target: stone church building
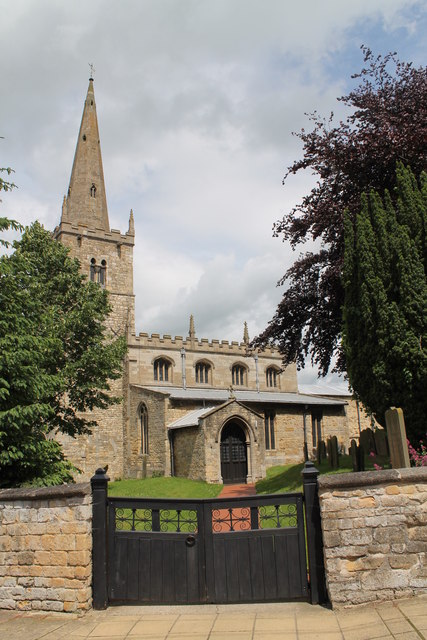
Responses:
[204,409]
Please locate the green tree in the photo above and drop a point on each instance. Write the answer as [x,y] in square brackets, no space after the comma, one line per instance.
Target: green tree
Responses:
[387,122]
[56,357]
[6,223]
[385,301]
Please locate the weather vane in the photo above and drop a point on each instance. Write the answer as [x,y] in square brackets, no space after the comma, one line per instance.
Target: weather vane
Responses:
[92,70]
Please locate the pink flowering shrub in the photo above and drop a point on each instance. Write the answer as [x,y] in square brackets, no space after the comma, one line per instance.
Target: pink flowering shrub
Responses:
[418,457]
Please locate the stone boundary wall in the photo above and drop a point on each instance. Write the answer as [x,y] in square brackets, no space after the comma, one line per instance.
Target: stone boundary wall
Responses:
[375,535]
[46,548]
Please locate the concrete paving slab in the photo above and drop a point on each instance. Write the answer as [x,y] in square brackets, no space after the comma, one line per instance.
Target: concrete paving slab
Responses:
[327,635]
[151,627]
[185,624]
[117,627]
[276,624]
[238,635]
[370,632]
[403,620]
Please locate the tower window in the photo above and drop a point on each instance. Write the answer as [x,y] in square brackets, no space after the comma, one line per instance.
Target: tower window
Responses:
[162,370]
[203,372]
[98,273]
[143,427]
[84,137]
[270,436]
[93,191]
[271,377]
[238,375]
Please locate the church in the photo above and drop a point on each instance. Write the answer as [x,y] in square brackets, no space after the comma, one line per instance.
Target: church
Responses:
[206,409]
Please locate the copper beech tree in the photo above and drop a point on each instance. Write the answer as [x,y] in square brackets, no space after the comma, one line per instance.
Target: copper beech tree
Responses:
[388,123]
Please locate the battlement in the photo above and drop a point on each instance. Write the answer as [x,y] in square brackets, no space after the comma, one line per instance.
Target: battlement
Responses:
[166,341]
[82,231]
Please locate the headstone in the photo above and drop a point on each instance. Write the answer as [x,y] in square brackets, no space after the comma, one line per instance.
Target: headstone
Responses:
[334,453]
[397,441]
[381,446]
[360,458]
[323,449]
[329,451]
[353,453]
[367,440]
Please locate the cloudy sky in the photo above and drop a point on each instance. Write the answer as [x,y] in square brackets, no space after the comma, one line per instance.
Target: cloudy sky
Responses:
[197,101]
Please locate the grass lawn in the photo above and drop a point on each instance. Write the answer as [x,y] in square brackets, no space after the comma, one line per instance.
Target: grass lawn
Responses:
[163,488]
[279,479]
[288,477]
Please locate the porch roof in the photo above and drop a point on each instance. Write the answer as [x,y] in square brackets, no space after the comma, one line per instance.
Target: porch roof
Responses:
[263,397]
[190,419]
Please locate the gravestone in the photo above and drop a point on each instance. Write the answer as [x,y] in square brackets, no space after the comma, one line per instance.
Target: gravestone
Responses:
[353,453]
[397,441]
[334,453]
[381,446]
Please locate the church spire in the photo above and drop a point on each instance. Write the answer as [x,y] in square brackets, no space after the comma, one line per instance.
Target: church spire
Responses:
[86,202]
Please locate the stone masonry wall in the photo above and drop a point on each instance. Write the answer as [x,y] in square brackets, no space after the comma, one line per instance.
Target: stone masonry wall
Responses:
[156,461]
[46,548]
[375,535]
[189,453]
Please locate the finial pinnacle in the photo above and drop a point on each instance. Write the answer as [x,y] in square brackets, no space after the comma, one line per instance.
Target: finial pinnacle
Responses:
[246,334]
[192,332]
[92,70]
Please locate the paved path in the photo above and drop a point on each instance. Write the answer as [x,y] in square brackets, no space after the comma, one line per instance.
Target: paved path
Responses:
[404,620]
[237,490]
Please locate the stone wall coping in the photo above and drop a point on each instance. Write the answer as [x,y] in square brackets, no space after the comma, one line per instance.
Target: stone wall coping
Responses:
[42,493]
[371,478]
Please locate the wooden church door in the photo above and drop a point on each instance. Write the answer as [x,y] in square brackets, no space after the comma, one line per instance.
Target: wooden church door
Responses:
[234,457]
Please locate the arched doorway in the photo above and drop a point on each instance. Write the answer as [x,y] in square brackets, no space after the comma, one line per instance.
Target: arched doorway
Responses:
[234,456]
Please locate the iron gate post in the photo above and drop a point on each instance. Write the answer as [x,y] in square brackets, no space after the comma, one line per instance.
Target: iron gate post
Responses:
[99,483]
[316,564]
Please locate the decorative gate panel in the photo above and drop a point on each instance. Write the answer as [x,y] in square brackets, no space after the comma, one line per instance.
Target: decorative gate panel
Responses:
[155,553]
[242,550]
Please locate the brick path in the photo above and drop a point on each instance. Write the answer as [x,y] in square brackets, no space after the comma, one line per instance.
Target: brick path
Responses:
[237,490]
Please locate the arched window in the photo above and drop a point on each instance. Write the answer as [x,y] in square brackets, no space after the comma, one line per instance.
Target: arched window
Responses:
[93,191]
[270,436]
[272,377]
[162,372]
[238,375]
[93,270]
[143,428]
[203,373]
[103,273]
[98,273]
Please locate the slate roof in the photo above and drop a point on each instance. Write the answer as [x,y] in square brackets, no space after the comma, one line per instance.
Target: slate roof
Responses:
[222,395]
[190,419]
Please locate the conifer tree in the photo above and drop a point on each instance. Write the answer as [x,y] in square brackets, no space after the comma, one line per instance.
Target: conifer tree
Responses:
[385,308]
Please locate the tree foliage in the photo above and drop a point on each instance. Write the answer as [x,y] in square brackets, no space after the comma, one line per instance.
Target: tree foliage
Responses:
[55,357]
[388,122]
[6,223]
[385,302]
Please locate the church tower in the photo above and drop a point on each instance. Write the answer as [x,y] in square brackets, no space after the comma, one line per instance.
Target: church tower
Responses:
[106,257]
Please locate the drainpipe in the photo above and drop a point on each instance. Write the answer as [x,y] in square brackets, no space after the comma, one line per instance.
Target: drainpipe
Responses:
[358,416]
[305,434]
[171,443]
[184,381]
[256,372]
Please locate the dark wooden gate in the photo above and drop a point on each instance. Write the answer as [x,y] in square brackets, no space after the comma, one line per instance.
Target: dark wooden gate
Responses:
[247,549]
[234,456]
